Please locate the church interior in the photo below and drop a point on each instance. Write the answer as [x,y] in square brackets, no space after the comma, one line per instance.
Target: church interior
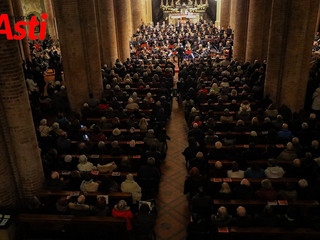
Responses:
[159,119]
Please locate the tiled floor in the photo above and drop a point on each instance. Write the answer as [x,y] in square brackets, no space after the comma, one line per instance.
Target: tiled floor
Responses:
[172,204]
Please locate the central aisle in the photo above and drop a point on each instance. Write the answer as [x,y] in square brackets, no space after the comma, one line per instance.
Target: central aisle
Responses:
[173,213]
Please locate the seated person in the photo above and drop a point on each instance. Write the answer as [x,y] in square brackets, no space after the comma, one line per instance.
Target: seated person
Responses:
[266,192]
[242,219]
[122,210]
[235,172]
[129,185]
[222,218]
[273,171]
[84,165]
[143,222]
[88,185]
[100,209]
[79,208]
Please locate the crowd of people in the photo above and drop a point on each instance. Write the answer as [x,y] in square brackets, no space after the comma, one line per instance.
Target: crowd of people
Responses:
[237,133]
[190,40]
[118,142]
[116,145]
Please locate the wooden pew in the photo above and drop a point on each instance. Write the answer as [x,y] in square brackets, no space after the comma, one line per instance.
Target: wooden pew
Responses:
[110,119]
[254,202]
[254,180]
[82,227]
[269,231]
[113,195]
[110,174]
[105,156]
[259,162]
[279,146]
[109,142]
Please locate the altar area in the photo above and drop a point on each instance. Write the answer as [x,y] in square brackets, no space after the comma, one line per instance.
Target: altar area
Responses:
[184,10]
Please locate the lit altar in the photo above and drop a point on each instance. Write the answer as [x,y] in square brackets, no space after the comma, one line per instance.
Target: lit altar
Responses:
[184,10]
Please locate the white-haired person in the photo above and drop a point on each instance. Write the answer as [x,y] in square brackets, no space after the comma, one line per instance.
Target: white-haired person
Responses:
[221,218]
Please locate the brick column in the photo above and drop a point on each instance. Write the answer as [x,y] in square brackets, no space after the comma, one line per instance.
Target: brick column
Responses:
[124,27]
[233,12]
[144,11]
[108,31]
[318,20]
[16,118]
[90,39]
[240,29]
[258,30]
[148,4]
[218,14]
[18,12]
[8,190]
[290,51]
[80,50]
[225,13]
[136,10]
[50,20]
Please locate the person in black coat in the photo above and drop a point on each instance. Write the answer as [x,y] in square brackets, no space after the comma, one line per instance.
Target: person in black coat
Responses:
[191,151]
[201,203]
[143,222]
[242,219]
[196,133]
[193,182]
[243,191]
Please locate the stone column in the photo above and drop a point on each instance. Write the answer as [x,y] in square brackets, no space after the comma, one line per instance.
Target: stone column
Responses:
[144,11]
[108,32]
[149,10]
[218,14]
[233,12]
[8,190]
[290,51]
[124,27]
[225,13]
[50,20]
[240,29]
[136,10]
[258,30]
[318,20]
[90,39]
[73,52]
[16,118]
[18,12]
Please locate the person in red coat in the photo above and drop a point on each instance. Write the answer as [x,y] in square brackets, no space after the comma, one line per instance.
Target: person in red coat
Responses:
[122,210]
